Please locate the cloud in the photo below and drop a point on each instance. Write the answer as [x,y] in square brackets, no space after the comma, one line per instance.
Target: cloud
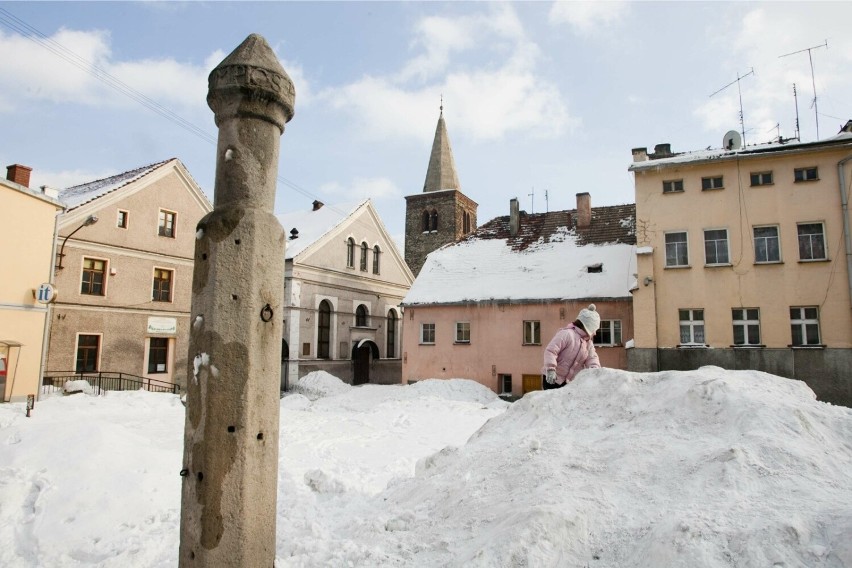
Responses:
[65,178]
[588,18]
[362,188]
[493,90]
[757,41]
[64,68]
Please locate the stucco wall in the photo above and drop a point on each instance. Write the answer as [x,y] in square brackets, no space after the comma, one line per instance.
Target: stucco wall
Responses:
[496,340]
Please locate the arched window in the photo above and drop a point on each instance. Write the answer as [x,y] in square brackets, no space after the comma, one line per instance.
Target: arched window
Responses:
[465,222]
[324,330]
[391,348]
[364,248]
[433,220]
[361,316]
[350,253]
[376,252]
[425,221]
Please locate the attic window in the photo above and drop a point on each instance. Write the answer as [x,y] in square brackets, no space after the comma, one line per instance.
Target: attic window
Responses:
[595,268]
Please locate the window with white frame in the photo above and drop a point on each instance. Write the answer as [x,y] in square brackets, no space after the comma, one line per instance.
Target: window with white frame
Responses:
[677,250]
[427,333]
[761,178]
[462,332]
[714,182]
[746,326]
[505,384]
[691,327]
[804,325]
[532,332]
[806,174]
[767,246]
[609,333]
[716,246]
[811,241]
[673,186]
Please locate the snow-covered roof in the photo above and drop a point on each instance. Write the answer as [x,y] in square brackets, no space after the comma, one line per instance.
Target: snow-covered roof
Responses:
[313,225]
[749,151]
[551,259]
[79,195]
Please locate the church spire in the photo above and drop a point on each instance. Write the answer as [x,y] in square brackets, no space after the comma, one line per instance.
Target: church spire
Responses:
[442,167]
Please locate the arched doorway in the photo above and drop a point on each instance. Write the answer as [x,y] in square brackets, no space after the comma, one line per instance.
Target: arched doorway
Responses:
[362,355]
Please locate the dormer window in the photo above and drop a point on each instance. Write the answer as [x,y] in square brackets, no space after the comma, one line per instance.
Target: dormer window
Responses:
[595,268]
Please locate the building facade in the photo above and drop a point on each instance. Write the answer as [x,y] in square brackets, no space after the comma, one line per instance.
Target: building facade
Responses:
[441,213]
[124,273]
[28,219]
[485,307]
[744,261]
[343,284]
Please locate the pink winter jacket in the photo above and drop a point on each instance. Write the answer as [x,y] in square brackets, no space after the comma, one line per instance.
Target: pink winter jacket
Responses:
[569,351]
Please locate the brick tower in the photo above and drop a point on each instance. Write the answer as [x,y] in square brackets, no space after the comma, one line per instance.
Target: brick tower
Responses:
[441,213]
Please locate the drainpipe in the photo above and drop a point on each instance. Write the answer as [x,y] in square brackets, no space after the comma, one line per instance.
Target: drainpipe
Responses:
[844,202]
[45,341]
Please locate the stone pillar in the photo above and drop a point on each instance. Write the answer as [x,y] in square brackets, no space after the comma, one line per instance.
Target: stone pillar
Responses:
[230,467]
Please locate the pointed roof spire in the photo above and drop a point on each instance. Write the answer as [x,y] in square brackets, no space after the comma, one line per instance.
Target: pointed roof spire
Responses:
[442,167]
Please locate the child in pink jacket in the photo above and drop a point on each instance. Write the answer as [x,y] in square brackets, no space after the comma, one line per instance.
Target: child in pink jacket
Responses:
[572,350]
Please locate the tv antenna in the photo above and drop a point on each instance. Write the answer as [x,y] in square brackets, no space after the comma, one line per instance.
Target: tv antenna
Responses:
[546,202]
[813,81]
[532,207]
[740,92]
[796,101]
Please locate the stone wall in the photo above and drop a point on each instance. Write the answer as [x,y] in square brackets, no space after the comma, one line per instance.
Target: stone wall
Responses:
[450,206]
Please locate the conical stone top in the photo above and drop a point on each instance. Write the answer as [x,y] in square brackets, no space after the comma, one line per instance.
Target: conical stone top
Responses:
[442,167]
[251,81]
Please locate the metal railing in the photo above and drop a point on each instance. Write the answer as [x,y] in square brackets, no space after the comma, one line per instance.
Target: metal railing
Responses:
[102,381]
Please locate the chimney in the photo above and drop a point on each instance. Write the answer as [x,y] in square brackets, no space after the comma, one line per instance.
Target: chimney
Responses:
[514,217]
[50,192]
[584,210]
[846,127]
[640,154]
[18,174]
[318,205]
[662,150]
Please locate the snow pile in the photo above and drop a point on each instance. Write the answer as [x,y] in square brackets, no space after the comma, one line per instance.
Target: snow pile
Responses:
[457,389]
[708,468]
[319,384]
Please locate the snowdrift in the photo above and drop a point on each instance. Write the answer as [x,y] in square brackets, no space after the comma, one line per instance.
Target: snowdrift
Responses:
[705,468]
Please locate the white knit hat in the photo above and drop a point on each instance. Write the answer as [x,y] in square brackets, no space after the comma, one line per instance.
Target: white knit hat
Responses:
[590,319]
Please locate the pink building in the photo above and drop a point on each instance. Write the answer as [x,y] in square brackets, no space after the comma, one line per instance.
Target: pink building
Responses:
[484,307]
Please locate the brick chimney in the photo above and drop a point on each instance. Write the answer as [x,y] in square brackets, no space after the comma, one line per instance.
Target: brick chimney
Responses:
[584,210]
[19,174]
[514,217]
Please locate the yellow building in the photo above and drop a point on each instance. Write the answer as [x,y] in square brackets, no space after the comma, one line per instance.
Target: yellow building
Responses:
[28,222]
[744,261]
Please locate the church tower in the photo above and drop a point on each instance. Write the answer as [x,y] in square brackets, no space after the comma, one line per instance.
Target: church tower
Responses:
[441,213]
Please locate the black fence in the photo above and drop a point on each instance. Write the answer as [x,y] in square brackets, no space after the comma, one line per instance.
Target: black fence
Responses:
[106,381]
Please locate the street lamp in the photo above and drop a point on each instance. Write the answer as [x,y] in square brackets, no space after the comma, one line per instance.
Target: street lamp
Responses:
[90,220]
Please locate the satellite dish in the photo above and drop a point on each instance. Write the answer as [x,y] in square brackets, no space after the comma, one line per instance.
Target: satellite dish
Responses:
[732,140]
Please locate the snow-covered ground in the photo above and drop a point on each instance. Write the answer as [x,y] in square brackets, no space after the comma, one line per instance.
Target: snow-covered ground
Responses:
[704,468]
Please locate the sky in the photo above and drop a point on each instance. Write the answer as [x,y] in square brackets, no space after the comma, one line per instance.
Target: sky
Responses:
[707,468]
[539,98]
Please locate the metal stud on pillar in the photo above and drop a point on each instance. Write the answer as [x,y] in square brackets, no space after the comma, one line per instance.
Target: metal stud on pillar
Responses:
[230,467]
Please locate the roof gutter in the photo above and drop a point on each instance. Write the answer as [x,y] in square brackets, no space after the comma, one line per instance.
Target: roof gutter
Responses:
[844,202]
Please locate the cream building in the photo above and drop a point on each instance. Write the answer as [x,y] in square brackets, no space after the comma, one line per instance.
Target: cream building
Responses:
[28,220]
[124,274]
[344,281]
[744,261]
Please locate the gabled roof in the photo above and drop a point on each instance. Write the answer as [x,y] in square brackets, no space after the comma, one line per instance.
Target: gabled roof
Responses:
[78,195]
[441,173]
[313,225]
[549,259]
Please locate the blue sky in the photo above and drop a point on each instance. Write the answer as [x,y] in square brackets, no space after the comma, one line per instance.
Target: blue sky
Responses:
[537,95]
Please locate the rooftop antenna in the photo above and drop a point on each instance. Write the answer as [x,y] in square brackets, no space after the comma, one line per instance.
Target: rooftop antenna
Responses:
[532,207]
[813,81]
[777,129]
[546,202]
[796,101]
[742,121]
[442,104]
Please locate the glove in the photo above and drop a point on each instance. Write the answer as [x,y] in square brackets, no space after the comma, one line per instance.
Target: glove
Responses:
[551,376]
